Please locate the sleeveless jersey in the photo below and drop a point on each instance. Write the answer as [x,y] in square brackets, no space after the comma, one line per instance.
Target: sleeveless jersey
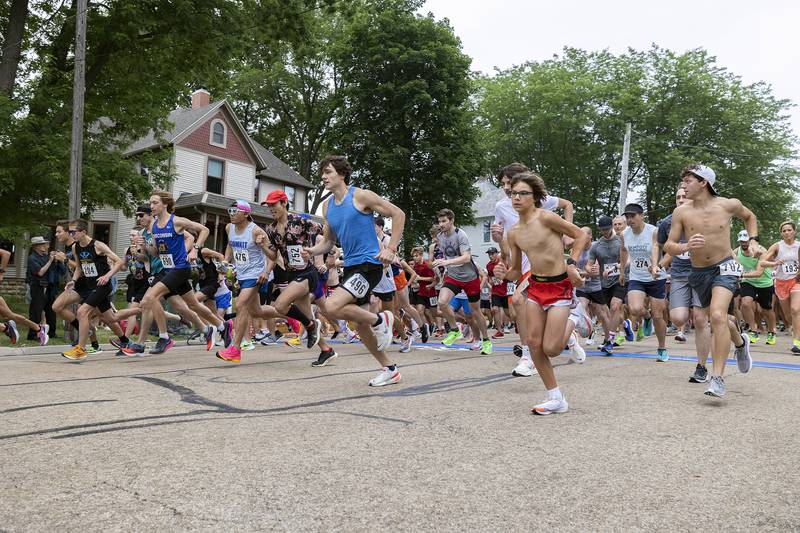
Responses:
[249,258]
[749,264]
[92,264]
[137,268]
[640,251]
[355,230]
[170,245]
[788,254]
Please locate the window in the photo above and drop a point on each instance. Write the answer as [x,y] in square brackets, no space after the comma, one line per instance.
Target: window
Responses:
[101,231]
[256,191]
[487,230]
[218,133]
[215,176]
[289,190]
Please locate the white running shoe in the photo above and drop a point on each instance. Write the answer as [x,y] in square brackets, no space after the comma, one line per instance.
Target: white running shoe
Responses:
[576,351]
[247,346]
[351,336]
[524,368]
[406,345]
[385,377]
[553,405]
[383,331]
[583,324]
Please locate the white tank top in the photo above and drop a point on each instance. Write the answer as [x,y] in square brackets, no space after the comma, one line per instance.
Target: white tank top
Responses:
[788,254]
[249,258]
[640,249]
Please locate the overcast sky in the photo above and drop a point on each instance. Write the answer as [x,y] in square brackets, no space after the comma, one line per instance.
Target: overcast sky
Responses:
[759,41]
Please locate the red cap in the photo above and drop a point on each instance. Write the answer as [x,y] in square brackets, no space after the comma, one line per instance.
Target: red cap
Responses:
[274,197]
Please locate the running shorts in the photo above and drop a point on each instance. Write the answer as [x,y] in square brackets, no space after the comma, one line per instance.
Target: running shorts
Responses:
[785,287]
[177,281]
[654,289]
[498,301]
[471,288]
[359,280]
[597,297]
[762,295]
[99,297]
[460,303]
[681,294]
[704,279]
[550,291]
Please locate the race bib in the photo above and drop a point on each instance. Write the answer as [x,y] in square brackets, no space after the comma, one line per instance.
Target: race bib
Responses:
[167,260]
[611,269]
[357,285]
[684,255]
[89,270]
[496,281]
[642,263]
[434,301]
[295,259]
[790,267]
[241,257]
[511,288]
[730,268]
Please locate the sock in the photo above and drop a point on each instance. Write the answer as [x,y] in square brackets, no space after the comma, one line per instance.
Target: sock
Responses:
[295,313]
[392,367]
[526,352]
[164,336]
[124,339]
[95,345]
[571,340]
[75,324]
[447,327]
[221,327]
[554,394]
[378,322]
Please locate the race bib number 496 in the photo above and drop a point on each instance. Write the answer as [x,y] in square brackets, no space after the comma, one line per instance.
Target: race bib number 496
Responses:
[730,268]
[357,285]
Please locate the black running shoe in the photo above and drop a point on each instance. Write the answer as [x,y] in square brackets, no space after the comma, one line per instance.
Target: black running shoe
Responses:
[518,350]
[425,332]
[312,335]
[162,346]
[325,357]
[796,350]
[209,336]
[118,344]
[227,333]
[700,374]
[335,334]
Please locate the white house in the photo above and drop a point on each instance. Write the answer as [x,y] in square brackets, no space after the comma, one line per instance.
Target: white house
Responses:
[479,236]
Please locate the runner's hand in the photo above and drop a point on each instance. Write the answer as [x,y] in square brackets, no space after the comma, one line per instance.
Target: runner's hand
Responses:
[192,255]
[102,280]
[574,276]
[697,241]
[305,254]
[322,269]
[259,239]
[500,272]
[262,278]
[497,232]
[655,271]
[386,256]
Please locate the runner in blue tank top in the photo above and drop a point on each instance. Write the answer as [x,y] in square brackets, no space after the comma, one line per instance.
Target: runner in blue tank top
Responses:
[349,214]
[170,234]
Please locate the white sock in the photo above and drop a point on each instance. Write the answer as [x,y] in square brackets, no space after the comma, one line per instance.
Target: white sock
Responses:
[571,340]
[414,325]
[221,327]
[554,394]
[164,336]
[526,352]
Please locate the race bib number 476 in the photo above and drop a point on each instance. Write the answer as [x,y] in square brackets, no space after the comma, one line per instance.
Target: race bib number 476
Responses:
[357,285]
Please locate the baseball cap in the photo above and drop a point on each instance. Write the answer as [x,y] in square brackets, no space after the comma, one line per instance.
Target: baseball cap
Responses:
[38,240]
[634,209]
[744,236]
[243,206]
[605,222]
[704,172]
[274,197]
[144,208]
[492,250]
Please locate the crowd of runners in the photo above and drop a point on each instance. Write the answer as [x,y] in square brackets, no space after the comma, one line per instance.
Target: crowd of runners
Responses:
[547,279]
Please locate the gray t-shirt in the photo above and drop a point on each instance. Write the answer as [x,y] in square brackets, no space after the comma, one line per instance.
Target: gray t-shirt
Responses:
[606,252]
[452,246]
[592,283]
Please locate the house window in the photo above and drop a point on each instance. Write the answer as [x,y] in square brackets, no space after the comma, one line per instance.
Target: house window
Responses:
[101,231]
[487,230]
[289,190]
[256,192]
[218,133]
[215,176]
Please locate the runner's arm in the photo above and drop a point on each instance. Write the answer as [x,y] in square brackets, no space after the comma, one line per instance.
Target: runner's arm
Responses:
[78,271]
[181,223]
[326,241]
[569,209]
[371,201]
[208,253]
[103,249]
[672,246]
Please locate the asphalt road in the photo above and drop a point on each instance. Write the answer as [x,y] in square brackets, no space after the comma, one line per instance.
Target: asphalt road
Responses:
[184,441]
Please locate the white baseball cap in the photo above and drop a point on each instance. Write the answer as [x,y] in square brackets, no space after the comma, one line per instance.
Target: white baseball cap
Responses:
[744,236]
[704,172]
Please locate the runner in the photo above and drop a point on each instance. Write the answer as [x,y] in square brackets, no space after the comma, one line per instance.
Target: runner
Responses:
[462,274]
[757,286]
[499,293]
[639,244]
[92,257]
[715,274]
[539,234]
[682,297]
[385,291]
[426,299]
[784,254]
[505,216]
[12,319]
[349,217]
[604,261]
[591,295]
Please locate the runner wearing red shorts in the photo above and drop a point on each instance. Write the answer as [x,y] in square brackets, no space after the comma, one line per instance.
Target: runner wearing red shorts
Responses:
[539,234]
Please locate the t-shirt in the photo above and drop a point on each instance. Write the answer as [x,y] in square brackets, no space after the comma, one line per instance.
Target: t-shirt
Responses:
[681,265]
[505,214]
[499,287]
[453,246]
[424,270]
[640,252]
[299,231]
[606,252]
[592,282]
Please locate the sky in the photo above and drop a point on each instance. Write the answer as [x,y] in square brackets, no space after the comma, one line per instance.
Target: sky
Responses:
[758,41]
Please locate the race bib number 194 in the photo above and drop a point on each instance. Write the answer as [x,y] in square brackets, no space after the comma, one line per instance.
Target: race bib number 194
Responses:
[89,270]
[357,285]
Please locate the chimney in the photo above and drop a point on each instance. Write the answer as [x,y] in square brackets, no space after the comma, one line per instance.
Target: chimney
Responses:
[200,98]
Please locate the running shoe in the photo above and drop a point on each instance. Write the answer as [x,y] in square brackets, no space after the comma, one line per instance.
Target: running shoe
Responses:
[75,354]
[753,336]
[662,356]
[425,333]
[640,333]
[383,331]
[607,348]
[162,345]
[700,374]
[94,350]
[453,336]
[134,349]
[583,324]
[118,344]
[517,350]
[626,324]
[11,331]
[498,335]
[227,333]
[619,340]
[771,339]
[231,354]
[648,327]
[576,351]
[507,330]
[406,344]
[294,342]
[325,357]
[486,347]
[680,337]
[553,405]
[796,346]
[312,337]
[524,368]
[261,335]
[247,346]
[269,340]
[716,387]
[474,344]
[743,359]
[44,338]
[385,377]
[208,335]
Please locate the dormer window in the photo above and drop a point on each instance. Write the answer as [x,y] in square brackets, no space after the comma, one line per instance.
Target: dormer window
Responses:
[218,133]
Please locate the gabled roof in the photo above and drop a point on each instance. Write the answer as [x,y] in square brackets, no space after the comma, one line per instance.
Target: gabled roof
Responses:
[277,169]
[217,201]
[183,119]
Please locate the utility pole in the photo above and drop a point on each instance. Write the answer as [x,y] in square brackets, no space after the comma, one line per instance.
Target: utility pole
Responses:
[76,152]
[623,180]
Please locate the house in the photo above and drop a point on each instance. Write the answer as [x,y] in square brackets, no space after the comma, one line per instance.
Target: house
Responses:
[214,161]
[479,234]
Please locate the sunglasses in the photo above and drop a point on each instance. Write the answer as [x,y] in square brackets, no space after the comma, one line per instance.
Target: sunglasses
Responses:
[234,210]
[139,215]
[72,231]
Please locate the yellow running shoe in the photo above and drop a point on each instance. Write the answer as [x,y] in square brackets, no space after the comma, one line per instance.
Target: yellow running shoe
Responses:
[77,353]
[294,342]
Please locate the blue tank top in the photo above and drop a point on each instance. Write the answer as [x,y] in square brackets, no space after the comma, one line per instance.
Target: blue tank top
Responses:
[355,230]
[170,245]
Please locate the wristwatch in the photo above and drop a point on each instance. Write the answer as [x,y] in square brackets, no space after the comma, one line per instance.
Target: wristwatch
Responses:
[197,247]
[570,261]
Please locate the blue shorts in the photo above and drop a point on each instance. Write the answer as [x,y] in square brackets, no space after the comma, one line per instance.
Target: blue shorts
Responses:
[460,303]
[248,283]
[224,301]
[654,289]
